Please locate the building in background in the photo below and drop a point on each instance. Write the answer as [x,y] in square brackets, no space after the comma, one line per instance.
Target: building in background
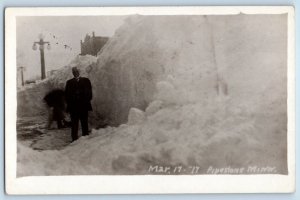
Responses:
[92,44]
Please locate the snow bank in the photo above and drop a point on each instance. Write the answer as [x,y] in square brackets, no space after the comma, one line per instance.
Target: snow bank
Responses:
[200,64]
[30,97]
[214,96]
[189,135]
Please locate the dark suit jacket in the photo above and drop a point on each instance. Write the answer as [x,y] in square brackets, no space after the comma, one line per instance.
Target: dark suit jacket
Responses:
[78,95]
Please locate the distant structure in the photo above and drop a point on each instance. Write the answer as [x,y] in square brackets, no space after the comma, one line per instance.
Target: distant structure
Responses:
[92,45]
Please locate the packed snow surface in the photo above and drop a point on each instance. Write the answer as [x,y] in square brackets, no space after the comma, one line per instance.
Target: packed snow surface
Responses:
[176,91]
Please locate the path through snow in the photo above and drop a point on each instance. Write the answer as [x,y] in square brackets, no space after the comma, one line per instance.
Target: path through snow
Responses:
[32,133]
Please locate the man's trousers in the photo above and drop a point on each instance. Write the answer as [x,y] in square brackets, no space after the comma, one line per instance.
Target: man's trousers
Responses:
[83,117]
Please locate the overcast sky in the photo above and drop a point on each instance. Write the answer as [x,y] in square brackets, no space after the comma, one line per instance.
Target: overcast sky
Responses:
[59,31]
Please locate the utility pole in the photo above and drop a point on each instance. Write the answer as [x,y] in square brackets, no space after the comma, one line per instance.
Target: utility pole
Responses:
[22,74]
[42,44]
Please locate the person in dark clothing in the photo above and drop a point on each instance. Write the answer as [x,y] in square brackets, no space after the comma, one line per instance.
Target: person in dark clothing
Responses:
[56,103]
[78,97]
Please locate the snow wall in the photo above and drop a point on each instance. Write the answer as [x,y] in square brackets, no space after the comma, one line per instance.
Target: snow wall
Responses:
[203,54]
[213,88]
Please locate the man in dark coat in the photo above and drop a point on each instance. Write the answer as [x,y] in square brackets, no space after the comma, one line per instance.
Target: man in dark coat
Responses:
[78,96]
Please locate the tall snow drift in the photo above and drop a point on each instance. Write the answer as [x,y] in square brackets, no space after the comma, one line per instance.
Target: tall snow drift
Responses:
[204,55]
[213,89]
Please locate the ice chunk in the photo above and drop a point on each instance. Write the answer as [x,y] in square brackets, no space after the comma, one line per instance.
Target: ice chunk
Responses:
[154,107]
[136,116]
[166,92]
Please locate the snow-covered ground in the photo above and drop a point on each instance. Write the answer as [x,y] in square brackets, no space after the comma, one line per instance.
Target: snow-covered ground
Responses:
[180,91]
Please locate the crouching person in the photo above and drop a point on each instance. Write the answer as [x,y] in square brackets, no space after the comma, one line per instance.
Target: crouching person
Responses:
[55,101]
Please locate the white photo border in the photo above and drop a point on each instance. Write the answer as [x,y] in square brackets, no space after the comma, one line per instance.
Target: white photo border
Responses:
[141,184]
